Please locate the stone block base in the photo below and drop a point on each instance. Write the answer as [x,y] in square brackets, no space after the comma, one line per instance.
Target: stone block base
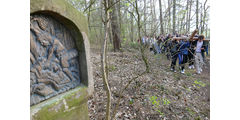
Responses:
[71,105]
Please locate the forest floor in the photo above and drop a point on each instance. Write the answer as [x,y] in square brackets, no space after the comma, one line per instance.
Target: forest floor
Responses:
[158,95]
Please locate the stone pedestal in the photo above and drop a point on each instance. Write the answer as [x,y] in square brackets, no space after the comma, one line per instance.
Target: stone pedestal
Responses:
[71,105]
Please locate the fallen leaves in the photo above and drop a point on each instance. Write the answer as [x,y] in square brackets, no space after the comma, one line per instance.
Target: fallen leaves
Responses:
[184,99]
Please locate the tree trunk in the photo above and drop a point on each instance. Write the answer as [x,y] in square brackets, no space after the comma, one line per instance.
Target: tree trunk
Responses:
[103,60]
[110,34]
[120,22]
[119,15]
[145,9]
[151,13]
[139,37]
[132,33]
[186,20]
[154,17]
[201,19]
[204,16]
[169,17]
[189,16]
[174,16]
[115,28]
[206,31]
[160,17]
[101,25]
[197,14]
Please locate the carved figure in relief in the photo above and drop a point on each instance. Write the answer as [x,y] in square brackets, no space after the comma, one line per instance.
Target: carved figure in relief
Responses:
[53,69]
[46,40]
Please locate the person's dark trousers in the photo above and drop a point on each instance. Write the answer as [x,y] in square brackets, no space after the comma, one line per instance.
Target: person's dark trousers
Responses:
[207,50]
[174,60]
[203,55]
[184,60]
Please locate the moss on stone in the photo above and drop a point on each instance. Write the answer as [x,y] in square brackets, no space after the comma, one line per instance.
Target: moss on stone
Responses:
[71,105]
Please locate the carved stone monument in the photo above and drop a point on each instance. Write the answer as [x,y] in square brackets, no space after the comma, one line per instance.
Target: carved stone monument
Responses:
[54,58]
[60,71]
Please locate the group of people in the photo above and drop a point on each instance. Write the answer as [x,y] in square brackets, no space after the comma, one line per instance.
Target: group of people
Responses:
[185,50]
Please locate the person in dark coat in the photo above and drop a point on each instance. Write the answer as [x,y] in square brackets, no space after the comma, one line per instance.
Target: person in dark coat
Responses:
[191,53]
[174,53]
[183,54]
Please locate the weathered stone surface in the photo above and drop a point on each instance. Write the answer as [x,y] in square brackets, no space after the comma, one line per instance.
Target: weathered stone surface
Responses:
[76,23]
[71,105]
[89,67]
[60,61]
[54,58]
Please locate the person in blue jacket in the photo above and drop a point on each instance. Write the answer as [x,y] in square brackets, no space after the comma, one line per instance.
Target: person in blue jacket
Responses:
[183,54]
[180,53]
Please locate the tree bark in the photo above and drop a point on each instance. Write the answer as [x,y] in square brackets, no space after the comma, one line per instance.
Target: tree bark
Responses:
[189,16]
[169,17]
[201,19]
[101,15]
[139,37]
[153,17]
[206,31]
[151,22]
[160,17]
[119,15]
[186,20]
[103,59]
[145,9]
[197,9]
[174,17]
[115,28]
[204,16]
[132,32]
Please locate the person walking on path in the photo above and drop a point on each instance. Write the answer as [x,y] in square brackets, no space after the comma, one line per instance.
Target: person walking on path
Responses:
[198,56]
[184,54]
[174,54]
[191,54]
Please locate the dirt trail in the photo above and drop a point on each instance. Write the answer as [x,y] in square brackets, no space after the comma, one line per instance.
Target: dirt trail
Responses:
[160,94]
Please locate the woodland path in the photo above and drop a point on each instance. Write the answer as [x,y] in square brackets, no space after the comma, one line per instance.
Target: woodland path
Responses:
[180,96]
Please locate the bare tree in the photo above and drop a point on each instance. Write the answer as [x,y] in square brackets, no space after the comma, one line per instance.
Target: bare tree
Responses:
[204,16]
[201,19]
[186,19]
[145,9]
[174,16]
[189,16]
[132,32]
[103,57]
[115,27]
[160,17]
[169,16]
[197,9]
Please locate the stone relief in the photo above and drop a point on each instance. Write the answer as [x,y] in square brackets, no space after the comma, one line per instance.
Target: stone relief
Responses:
[53,57]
